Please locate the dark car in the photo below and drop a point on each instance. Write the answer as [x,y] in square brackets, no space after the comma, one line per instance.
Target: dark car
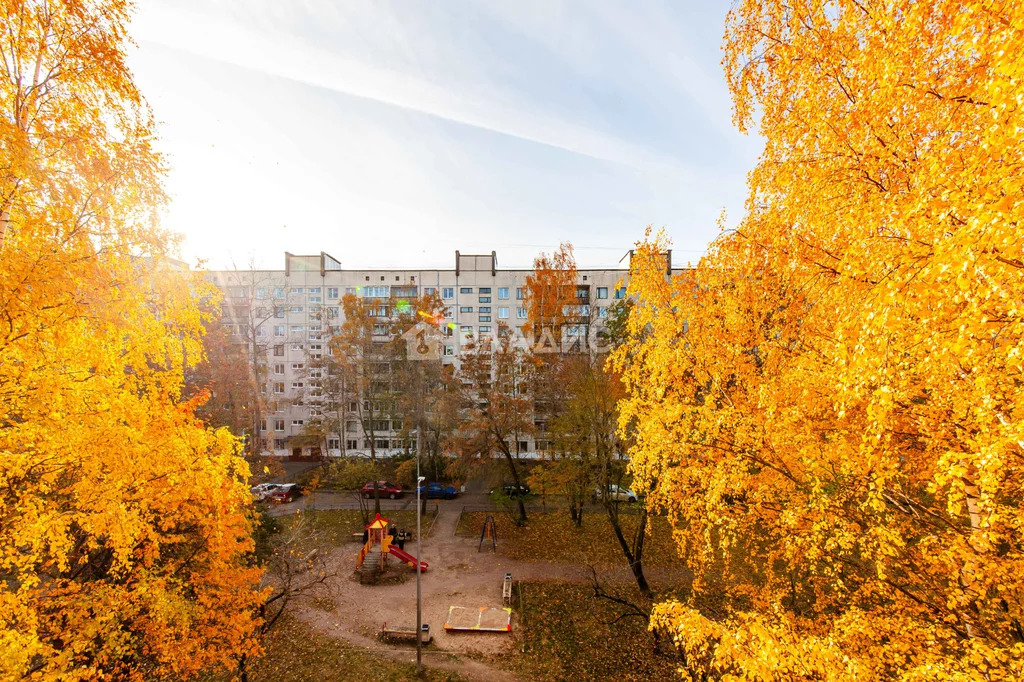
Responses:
[435,491]
[384,489]
[285,492]
[513,490]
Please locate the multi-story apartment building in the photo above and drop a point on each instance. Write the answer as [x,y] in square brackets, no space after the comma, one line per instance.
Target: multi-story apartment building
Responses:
[285,317]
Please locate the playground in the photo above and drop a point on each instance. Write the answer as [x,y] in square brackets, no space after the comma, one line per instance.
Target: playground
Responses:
[490,616]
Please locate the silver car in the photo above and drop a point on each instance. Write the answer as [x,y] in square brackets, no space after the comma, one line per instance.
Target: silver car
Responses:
[616,494]
[263,491]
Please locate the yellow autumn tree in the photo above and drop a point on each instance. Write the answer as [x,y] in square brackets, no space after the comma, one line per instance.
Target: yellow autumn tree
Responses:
[123,531]
[830,406]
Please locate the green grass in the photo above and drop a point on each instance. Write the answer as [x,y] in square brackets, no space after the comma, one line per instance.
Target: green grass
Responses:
[551,536]
[569,634]
[335,527]
[294,652]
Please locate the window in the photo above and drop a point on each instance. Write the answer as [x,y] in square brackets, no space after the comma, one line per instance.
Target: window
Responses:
[279,368]
[448,292]
[380,329]
[466,290]
[466,329]
[279,313]
[602,311]
[602,292]
[429,291]
[351,290]
[485,299]
[351,444]
[449,350]
[466,309]
[502,313]
[261,332]
[261,292]
[523,446]
[278,292]
[620,292]
[333,443]
[520,313]
[263,425]
[298,365]
[296,290]
[298,329]
[278,330]
[296,385]
[376,292]
[485,318]
[314,298]
[332,292]
[297,346]
[297,422]
[485,309]
[502,292]
[485,290]
[278,351]
[314,290]
[278,387]
[279,425]
[279,443]
[449,313]
[295,309]
[519,294]
[485,329]
[382,443]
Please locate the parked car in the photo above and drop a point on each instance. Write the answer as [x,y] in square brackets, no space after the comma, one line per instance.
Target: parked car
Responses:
[512,490]
[434,491]
[384,488]
[263,491]
[285,492]
[616,494]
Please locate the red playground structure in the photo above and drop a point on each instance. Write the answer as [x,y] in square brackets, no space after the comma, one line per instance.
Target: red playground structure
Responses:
[372,560]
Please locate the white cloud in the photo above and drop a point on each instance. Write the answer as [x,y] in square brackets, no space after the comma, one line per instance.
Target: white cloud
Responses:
[492,109]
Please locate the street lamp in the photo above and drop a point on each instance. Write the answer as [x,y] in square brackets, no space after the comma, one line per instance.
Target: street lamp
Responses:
[419,569]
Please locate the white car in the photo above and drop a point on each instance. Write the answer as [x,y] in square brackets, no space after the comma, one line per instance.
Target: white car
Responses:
[616,494]
[263,491]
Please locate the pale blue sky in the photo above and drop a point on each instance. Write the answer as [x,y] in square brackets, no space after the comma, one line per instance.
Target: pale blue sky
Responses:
[390,134]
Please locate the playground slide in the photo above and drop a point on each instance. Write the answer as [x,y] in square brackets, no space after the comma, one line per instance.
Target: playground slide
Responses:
[402,555]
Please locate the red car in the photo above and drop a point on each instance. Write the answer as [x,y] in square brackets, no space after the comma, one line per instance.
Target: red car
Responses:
[286,492]
[384,488]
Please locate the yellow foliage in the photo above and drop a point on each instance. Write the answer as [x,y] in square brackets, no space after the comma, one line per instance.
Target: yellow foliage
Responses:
[830,405]
[123,530]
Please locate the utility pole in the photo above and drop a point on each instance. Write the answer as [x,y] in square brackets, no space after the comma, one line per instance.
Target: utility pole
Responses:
[419,565]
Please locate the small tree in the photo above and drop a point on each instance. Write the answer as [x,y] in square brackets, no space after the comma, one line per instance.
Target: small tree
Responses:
[365,351]
[495,397]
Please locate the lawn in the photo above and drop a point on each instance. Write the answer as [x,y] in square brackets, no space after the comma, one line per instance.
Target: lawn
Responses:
[335,527]
[294,652]
[569,634]
[551,536]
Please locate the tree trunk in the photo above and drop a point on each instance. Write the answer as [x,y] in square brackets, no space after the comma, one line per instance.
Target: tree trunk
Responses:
[515,479]
[635,554]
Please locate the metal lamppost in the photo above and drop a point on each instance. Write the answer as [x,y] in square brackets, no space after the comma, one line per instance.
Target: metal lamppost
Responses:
[419,569]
